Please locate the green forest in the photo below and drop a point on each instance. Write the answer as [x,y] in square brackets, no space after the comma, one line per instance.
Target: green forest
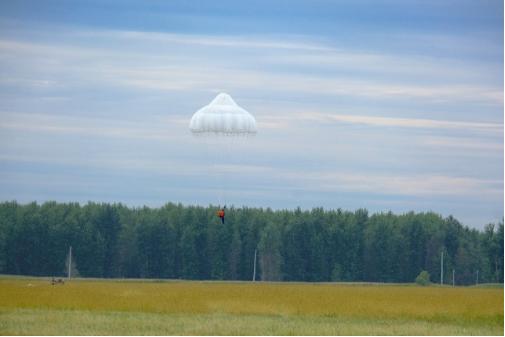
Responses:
[190,242]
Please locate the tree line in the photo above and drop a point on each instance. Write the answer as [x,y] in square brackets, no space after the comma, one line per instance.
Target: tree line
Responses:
[190,242]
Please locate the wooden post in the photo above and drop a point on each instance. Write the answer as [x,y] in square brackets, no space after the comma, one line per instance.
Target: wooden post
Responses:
[254,272]
[70,263]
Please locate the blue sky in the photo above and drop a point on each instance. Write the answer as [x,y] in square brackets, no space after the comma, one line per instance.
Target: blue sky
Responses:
[387,105]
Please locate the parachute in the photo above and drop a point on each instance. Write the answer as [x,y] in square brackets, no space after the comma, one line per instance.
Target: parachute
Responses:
[225,126]
[223,116]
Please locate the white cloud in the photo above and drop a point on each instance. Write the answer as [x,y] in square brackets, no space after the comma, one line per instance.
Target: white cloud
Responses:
[154,61]
[408,184]
[95,127]
[468,144]
[292,116]
[404,122]
[411,185]
[203,40]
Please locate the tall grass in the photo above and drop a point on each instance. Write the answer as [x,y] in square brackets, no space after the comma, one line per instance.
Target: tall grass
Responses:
[333,308]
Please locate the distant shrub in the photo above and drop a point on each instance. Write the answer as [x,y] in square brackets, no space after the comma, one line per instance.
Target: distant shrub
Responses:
[336,274]
[423,278]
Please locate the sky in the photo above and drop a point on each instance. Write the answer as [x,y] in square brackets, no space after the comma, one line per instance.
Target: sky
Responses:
[385,105]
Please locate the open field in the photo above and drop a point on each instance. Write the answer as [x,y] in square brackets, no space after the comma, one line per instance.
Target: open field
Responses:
[34,306]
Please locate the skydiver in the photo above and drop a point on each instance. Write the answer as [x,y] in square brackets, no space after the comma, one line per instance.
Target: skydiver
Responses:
[220,214]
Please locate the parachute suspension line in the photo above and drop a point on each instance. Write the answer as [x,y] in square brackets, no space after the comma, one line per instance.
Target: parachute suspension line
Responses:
[215,151]
[213,156]
[224,169]
[209,173]
[221,170]
[231,169]
[227,172]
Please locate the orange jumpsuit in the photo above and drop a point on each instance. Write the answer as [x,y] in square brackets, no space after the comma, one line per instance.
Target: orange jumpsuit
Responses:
[220,214]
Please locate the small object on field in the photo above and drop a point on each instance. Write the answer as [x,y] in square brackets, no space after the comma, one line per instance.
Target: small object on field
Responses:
[57,281]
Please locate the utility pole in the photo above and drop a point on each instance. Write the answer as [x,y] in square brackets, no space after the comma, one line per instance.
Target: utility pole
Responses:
[254,272]
[453,277]
[70,263]
[477,281]
[442,268]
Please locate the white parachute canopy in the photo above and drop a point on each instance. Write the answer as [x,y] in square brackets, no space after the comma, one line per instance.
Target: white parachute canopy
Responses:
[223,116]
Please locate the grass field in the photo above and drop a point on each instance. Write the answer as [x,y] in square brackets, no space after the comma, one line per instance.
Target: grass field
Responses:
[95,307]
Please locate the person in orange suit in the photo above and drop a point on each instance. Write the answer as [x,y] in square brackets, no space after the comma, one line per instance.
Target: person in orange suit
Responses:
[220,214]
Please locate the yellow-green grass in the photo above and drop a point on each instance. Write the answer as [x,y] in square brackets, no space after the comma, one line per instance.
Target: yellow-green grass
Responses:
[96,307]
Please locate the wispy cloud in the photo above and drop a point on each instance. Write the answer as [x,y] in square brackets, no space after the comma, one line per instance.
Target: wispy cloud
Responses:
[434,185]
[155,66]
[287,118]
[417,184]
[405,122]
[425,185]
[89,126]
[249,42]
[468,144]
